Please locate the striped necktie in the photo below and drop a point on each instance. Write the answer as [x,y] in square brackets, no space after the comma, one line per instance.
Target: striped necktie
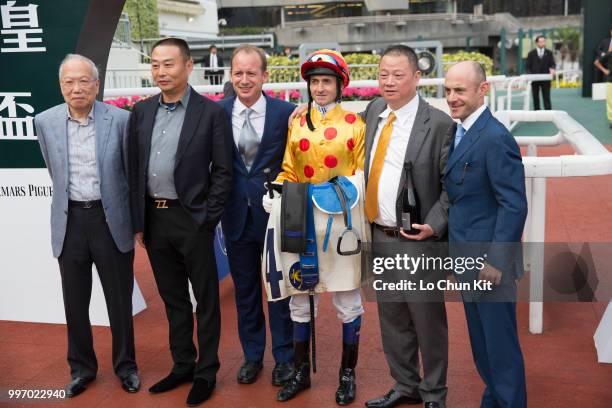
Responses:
[248,143]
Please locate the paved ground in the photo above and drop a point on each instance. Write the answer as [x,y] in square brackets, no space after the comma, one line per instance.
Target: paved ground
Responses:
[561,364]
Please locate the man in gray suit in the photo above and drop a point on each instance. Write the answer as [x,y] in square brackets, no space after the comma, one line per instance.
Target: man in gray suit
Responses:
[400,128]
[84,146]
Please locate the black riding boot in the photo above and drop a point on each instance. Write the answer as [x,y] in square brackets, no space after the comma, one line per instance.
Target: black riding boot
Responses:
[300,380]
[346,390]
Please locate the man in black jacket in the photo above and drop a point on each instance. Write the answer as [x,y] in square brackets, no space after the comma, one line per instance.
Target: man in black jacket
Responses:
[540,61]
[180,154]
[212,62]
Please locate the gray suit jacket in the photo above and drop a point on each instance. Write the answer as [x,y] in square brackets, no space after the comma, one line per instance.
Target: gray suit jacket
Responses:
[111,127]
[428,151]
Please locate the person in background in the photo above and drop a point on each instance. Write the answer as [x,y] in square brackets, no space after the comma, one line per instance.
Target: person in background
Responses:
[540,61]
[212,62]
[604,64]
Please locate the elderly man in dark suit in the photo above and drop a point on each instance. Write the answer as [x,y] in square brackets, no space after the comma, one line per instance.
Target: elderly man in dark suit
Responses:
[84,145]
[259,126]
[180,180]
[401,127]
[540,61]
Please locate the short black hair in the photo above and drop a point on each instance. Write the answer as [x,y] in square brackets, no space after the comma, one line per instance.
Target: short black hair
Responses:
[406,51]
[538,37]
[211,47]
[177,42]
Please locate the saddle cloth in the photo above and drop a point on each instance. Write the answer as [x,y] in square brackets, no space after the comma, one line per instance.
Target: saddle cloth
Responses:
[336,272]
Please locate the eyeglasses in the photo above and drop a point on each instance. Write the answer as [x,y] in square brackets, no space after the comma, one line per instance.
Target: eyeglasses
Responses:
[69,84]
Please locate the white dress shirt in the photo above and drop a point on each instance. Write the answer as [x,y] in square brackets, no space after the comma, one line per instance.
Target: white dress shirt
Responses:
[393,165]
[470,120]
[213,60]
[258,117]
[83,179]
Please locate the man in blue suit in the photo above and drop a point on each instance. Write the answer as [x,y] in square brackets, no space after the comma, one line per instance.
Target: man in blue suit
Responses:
[259,125]
[485,182]
[84,146]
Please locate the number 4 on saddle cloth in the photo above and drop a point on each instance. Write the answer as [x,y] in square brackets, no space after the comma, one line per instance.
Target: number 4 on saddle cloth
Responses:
[340,228]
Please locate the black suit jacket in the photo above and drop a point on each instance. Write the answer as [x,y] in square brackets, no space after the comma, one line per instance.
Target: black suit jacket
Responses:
[203,168]
[537,65]
[206,63]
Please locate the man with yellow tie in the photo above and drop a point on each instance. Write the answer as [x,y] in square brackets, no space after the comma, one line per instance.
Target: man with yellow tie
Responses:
[402,128]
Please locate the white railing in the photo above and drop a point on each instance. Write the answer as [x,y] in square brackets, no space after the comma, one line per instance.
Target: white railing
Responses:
[591,159]
[502,89]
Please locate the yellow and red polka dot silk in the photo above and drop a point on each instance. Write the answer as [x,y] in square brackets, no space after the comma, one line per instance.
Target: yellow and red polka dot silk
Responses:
[335,148]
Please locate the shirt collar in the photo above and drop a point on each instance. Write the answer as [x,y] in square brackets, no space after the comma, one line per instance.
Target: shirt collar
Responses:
[184,99]
[259,107]
[470,120]
[324,109]
[404,113]
[90,115]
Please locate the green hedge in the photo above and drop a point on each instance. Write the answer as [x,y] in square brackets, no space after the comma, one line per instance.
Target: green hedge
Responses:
[357,73]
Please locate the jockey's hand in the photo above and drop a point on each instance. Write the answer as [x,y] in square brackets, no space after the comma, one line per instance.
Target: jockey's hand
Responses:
[425,231]
[298,111]
[266,201]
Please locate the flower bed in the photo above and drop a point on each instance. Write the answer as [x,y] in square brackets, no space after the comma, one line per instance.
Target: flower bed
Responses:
[349,94]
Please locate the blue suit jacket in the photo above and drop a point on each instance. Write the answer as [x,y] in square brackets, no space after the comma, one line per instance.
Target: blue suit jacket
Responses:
[248,187]
[485,182]
[111,125]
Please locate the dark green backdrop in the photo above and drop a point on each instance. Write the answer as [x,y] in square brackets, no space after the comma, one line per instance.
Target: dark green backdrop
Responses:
[69,26]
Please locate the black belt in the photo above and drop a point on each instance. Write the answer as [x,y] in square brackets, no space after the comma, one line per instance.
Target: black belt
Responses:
[163,203]
[389,231]
[85,204]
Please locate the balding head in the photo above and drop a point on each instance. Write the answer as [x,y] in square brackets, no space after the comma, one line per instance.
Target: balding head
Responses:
[471,70]
[465,86]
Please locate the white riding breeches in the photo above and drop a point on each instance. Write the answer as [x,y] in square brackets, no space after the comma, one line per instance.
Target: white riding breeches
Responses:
[347,304]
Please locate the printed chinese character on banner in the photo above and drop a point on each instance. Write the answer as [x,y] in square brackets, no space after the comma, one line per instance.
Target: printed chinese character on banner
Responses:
[13,127]
[20,16]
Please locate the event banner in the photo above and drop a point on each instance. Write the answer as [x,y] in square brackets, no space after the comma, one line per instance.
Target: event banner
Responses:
[35,35]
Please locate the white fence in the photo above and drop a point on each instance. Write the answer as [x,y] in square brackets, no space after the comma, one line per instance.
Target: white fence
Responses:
[591,159]
[503,89]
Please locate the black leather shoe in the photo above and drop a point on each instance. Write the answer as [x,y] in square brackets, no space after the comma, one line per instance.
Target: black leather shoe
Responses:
[131,383]
[391,399]
[200,391]
[171,382]
[248,372]
[282,373]
[432,404]
[300,380]
[77,386]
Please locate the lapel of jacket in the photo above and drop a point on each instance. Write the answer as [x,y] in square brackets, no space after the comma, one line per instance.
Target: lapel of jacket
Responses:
[62,145]
[193,114]
[268,133]
[371,127]
[229,107]
[470,137]
[420,130]
[149,112]
[102,123]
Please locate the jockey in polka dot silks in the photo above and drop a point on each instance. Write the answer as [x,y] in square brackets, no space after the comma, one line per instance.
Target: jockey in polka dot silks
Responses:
[324,142]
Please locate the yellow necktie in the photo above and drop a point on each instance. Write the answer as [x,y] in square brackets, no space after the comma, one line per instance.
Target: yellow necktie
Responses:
[371,201]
